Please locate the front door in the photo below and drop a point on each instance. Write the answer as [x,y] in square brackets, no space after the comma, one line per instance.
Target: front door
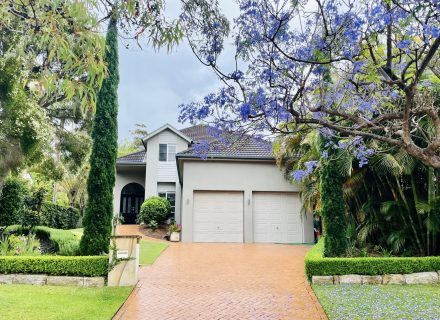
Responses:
[132,197]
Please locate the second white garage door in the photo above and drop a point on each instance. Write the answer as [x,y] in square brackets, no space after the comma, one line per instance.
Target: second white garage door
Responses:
[277,217]
[218,216]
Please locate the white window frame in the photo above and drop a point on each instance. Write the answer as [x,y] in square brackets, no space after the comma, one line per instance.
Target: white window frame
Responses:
[173,208]
[168,157]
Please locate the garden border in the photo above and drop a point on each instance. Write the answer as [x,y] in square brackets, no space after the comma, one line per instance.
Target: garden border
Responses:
[85,266]
[411,278]
[44,279]
[317,265]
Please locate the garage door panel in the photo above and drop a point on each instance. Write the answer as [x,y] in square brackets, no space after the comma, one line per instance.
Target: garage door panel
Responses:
[277,217]
[218,216]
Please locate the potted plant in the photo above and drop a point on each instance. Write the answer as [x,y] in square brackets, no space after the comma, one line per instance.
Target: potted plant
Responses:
[174,230]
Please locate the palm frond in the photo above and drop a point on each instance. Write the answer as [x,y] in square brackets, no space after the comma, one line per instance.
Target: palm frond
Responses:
[406,162]
[397,239]
[387,164]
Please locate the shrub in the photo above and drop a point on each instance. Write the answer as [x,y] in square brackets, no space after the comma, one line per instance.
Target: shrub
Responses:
[153,225]
[29,218]
[316,264]
[154,209]
[12,201]
[59,217]
[89,266]
[63,242]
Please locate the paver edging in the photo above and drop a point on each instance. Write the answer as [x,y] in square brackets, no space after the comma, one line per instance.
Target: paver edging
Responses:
[44,279]
[409,278]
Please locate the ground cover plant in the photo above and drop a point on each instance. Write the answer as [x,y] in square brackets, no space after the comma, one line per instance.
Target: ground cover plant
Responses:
[359,302]
[149,251]
[50,303]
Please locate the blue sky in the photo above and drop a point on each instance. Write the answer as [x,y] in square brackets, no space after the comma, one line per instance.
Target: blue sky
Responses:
[153,84]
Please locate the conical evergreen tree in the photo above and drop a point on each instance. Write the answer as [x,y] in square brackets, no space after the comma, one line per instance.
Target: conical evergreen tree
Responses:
[332,196]
[333,203]
[99,211]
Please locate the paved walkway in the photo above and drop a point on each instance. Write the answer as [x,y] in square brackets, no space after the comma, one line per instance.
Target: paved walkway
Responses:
[224,281]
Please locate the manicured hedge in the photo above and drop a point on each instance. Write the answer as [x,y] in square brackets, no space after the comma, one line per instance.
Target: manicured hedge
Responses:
[316,264]
[59,217]
[90,266]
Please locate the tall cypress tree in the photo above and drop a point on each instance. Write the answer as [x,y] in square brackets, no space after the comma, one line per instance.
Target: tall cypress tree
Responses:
[332,203]
[99,211]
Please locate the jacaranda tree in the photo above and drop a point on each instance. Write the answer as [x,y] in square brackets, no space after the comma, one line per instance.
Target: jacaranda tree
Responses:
[382,56]
[99,211]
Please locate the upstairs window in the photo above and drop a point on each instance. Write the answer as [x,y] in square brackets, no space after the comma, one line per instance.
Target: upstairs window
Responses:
[167,152]
[162,152]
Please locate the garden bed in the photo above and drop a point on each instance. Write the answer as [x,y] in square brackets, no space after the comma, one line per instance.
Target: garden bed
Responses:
[317,265]
[58,241]
[159,233]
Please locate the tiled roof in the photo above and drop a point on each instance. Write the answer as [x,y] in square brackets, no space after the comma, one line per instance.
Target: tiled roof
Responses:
[132,158]
[211,143]
[200,132]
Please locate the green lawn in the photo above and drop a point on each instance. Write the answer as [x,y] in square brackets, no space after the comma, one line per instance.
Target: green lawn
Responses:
[149,251]
[48,302]
[359,302]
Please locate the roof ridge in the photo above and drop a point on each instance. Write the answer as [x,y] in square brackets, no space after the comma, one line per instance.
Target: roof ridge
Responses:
[129,154]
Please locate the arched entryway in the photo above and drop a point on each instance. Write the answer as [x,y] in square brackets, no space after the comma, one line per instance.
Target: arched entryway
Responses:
[132,196]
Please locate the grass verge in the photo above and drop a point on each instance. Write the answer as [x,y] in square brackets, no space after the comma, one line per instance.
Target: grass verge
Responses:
[48,302]
[149,251]
[359,302]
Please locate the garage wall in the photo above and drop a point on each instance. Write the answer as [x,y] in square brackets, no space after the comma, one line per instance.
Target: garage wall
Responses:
[233,176]
[124,176]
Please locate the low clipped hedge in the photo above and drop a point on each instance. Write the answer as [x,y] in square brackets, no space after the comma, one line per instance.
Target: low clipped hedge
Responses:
[87,266]
[317,265]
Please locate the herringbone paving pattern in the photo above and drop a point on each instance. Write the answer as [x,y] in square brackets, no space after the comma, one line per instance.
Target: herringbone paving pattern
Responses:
[224,281]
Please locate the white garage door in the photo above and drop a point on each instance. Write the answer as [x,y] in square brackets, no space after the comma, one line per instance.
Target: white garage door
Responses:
[277,217]
[218,216]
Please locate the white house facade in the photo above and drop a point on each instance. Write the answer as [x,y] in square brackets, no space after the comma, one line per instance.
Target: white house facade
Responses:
[234,193]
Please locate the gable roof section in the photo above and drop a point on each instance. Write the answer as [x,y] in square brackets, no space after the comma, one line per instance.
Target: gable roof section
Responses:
[171,128]
[199,133]
[136,158]
[226,146]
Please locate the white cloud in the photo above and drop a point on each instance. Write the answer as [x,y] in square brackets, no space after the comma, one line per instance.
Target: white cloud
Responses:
[153,83]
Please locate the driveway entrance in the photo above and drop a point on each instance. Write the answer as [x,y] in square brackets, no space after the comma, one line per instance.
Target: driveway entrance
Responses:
[224,281]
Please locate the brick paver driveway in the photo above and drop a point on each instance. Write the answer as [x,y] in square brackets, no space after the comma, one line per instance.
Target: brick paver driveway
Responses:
[224,281]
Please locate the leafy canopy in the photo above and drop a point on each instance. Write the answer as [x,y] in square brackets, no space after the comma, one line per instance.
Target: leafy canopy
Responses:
[382,56]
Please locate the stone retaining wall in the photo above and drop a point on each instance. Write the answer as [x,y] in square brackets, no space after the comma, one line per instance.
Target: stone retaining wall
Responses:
[411,278]
[44,279]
